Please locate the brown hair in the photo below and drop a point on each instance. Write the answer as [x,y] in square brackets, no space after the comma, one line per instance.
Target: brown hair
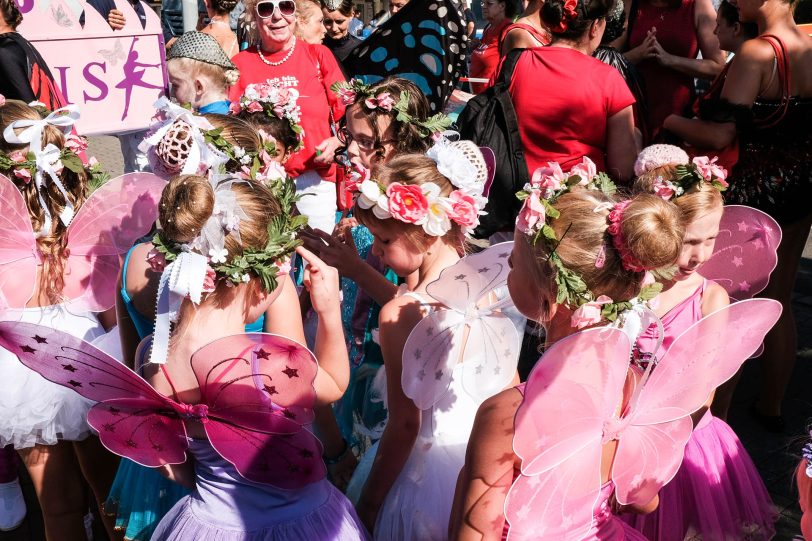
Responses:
[11,13]
[187,203]
[408,137]
[651,227]
[345,8]
[410,169]
[221,7]
[52,243]
[697,201]
[238,132]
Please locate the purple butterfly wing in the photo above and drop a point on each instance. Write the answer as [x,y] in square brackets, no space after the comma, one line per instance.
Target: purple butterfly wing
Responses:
[132,418]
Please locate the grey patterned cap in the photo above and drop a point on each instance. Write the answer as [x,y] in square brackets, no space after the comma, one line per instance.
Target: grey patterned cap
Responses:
[201,47]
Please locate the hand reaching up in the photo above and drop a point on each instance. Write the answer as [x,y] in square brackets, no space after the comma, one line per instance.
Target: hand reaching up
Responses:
[321,281]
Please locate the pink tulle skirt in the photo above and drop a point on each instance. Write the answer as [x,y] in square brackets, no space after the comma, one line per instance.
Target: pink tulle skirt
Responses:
[717,494]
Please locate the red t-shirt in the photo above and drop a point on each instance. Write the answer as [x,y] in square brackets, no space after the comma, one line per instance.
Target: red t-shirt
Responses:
[563,100]
[485,58]
[311,69]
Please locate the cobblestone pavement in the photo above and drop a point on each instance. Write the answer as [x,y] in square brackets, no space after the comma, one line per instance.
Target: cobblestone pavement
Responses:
[775,455]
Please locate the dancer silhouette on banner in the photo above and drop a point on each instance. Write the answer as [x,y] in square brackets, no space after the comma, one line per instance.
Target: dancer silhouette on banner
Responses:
[133,76]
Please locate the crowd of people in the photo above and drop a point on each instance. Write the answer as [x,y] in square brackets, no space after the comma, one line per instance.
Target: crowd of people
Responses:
[285,321]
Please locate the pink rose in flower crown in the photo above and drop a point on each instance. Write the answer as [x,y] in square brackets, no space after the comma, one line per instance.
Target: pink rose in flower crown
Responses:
[156,260]
[532,215]
[586,170]
[254,107]
[17,156]
[407,202]
[549,178]
[589,313]
[346,95]
[23,174]
[210,280]
[75,143]
[383,101]
[663,189]
[235,108]
[709,170]
[263,89]
[463,209]
[358,174]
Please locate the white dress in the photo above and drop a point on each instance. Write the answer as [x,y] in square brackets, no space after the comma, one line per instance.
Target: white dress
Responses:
[418,505]
[32,409]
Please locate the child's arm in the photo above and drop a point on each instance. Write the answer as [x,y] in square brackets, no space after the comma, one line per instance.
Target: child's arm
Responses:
[278,318]
[183,474]
[333,376]
[486,477]
[126,331]
[397,319]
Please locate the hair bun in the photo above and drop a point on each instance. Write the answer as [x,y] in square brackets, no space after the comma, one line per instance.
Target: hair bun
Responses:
[655,156]
[652,231]
[187,202]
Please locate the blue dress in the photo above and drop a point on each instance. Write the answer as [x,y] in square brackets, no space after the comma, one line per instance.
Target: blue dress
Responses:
[141,496]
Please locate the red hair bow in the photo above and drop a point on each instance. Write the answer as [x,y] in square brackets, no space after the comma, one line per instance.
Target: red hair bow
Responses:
[570,14]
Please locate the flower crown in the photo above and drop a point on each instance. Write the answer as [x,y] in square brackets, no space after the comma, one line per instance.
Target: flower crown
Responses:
[182,142]
[538,211]
[40,163]
[701,169]
[274,100]
[422,204]
[349,92]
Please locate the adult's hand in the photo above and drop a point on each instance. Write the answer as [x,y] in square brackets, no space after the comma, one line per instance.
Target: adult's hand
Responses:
[665,58]
[326,150]
[116,19]
[644,50]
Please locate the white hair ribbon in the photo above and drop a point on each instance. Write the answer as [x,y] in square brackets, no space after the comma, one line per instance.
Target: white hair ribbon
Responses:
[183,277]
[47,158]
[224,220]
[63,119]
[200,153]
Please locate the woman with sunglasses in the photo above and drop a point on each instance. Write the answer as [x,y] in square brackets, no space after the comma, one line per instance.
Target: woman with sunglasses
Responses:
[310,68]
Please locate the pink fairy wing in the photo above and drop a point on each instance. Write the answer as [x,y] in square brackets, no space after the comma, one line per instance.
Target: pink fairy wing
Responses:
[468,280]
[745,252]
[287,461]
[259,381]
[105,227]
[571,394]
[133,420]
[703,357]
[18,248]
[140,429]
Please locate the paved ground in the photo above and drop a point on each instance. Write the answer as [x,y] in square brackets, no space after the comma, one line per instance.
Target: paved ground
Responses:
[775,456]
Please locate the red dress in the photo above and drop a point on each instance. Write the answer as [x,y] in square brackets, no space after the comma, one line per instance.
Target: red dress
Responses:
[485,58]
[563,100]
[729,155]
[668,91]
[311,69]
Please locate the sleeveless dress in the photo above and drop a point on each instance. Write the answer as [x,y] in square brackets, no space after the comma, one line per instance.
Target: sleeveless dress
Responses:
[418,505]
[32,409]
[225,506]
[717,493]
[141,496]
[606,526]
[667,90]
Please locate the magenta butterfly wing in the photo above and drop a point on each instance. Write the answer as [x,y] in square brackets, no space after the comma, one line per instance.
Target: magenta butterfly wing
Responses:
[571,395]
[260,388]
[105,227]
[132,419]
[658,425]
[18,248]
[745,252]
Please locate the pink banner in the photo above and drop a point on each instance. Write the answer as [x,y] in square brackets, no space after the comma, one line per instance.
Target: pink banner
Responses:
[113,75]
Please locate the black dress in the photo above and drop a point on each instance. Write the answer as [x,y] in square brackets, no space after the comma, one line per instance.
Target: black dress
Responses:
[342,47]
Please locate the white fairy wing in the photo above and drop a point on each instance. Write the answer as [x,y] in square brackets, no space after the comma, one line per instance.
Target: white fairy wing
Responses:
[479,337]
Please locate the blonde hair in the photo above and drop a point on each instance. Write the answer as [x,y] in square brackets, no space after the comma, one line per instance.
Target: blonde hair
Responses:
[52,243]
[410,169]
[304,10]
[651,227]
[217,76]
[187,202]
[697,201]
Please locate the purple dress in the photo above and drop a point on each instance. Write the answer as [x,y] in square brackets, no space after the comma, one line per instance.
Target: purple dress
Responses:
[717,493]
[226,507]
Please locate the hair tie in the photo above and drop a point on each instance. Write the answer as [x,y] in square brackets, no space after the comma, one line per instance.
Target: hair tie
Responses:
[570,8]
[614,218]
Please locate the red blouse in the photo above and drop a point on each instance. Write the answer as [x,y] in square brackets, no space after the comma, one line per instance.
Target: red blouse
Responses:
[311,69]
[563,100]
[485,58]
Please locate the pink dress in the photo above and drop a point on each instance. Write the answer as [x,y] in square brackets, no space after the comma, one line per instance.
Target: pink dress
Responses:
[717,493]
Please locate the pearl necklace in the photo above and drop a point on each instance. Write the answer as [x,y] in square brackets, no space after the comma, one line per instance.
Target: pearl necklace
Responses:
[279,62]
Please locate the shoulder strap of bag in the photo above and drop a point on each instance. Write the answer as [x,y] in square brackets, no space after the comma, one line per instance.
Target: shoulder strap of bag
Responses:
[511,122]
[784,79]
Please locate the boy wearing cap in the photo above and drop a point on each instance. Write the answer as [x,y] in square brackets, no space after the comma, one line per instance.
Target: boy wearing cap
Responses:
[200,73]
